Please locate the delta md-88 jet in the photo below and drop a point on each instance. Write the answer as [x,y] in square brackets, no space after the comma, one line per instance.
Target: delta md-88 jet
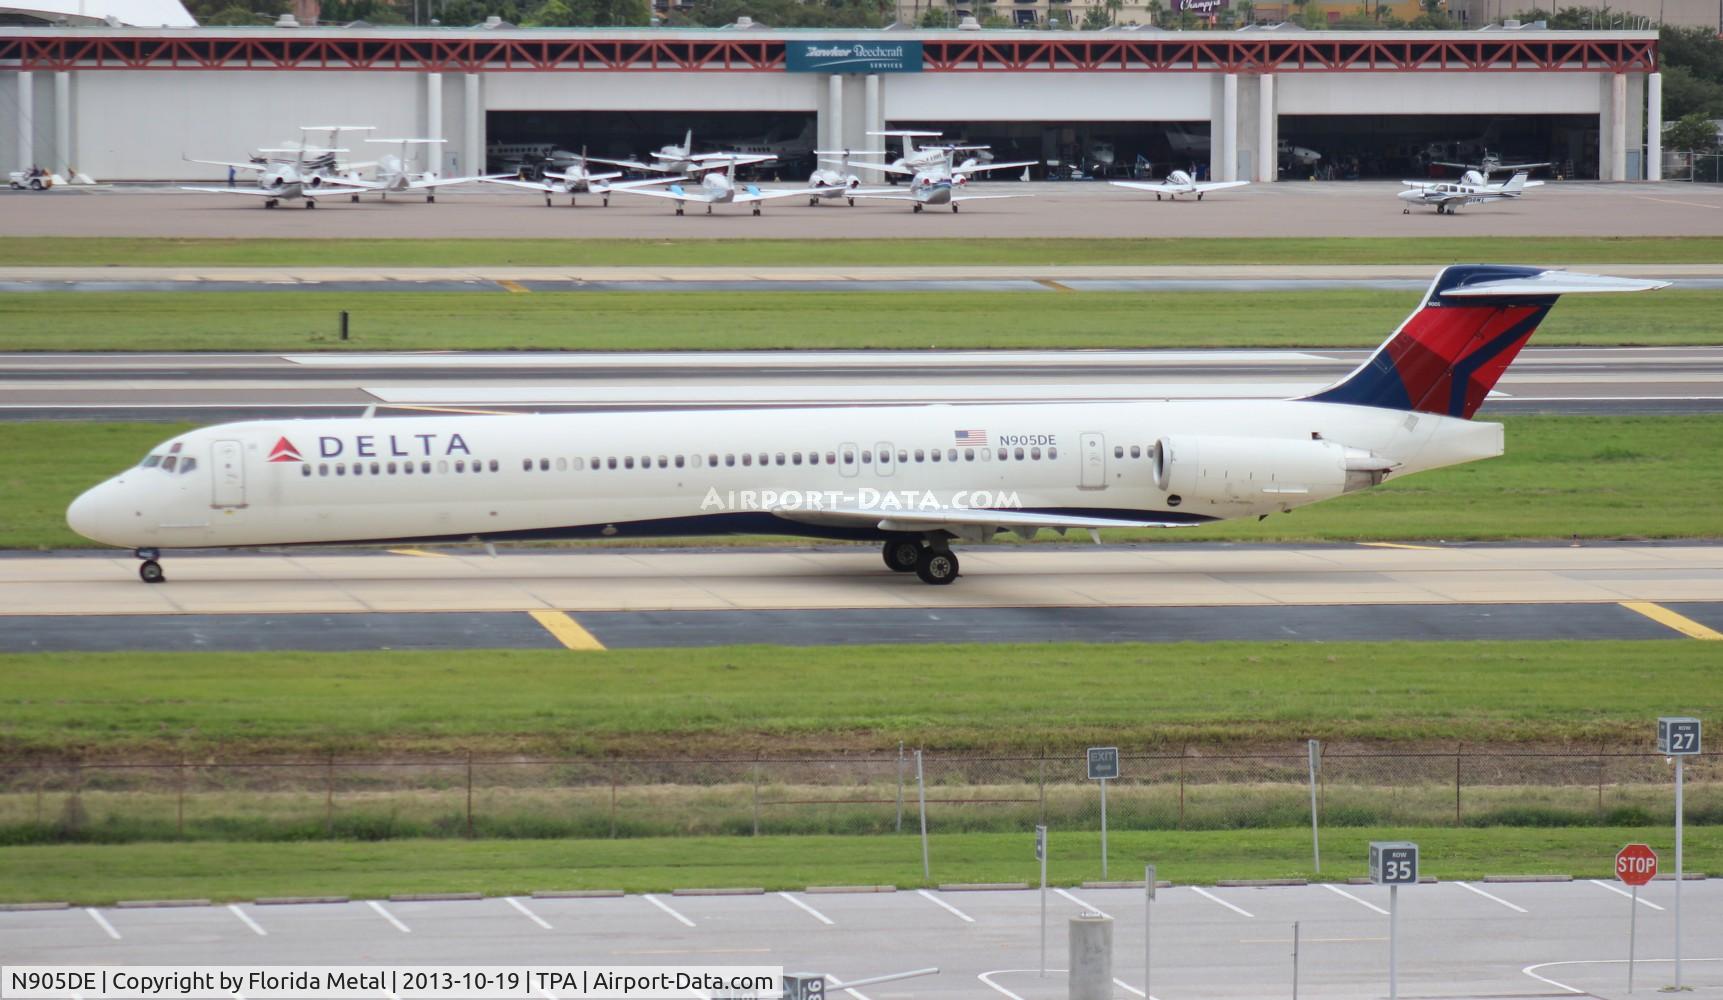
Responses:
[912,478]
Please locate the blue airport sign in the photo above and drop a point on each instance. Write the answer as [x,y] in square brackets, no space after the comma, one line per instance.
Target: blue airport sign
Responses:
[852,57]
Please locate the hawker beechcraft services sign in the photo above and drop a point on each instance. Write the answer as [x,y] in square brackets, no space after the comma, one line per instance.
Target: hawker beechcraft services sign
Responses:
[852,57]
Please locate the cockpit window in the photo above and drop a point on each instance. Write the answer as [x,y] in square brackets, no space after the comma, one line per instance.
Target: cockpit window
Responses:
[169,463]
[150,462]
[186,465]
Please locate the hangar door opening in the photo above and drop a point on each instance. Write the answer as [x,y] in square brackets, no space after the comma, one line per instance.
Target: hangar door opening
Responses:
[1413,147]
[1075,150]
[522,138]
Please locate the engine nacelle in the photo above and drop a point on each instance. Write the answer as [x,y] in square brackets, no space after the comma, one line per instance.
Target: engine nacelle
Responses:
[1260,472]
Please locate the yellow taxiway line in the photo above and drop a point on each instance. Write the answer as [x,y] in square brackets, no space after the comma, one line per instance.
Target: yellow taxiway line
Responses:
[513,286]
[1679,622]
[566,630]
[1399,545]
[418,552]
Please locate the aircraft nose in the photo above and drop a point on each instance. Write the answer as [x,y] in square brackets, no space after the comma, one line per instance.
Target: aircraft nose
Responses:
[97,514]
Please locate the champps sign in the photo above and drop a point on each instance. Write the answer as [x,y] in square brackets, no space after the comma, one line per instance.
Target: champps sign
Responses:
[1199,6]
[852,57]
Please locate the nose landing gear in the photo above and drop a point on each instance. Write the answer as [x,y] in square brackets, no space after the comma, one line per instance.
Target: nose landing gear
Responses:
[150,571]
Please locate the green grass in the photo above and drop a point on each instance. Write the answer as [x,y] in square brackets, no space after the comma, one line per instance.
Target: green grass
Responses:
[1596,477]
[103,874]
[638,321]
[164,252]
[743,700]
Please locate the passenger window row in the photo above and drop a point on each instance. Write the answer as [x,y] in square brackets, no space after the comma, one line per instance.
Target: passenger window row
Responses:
[713,460]
[423,468]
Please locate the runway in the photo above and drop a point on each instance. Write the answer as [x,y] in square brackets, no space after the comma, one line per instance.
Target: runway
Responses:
[1457,940]
[213,387]
[1288,209]
[619,598]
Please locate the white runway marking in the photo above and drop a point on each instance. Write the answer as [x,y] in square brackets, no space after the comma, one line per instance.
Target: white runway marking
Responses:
[1086,906]
[1331,887]
[247,921]
[1511,906]
[821,917]
[1128,988]
[655,901]
[1209,895]
[1619,891]
[103,921]
[535,918]
[930,896]
[386,915]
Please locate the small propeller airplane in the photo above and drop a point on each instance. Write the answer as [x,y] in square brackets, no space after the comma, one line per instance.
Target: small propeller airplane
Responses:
[940,183]
[283,180]
[578,179]
[1472,189]
[1178,182]
[715,188]
[395,174]
[828,184]
[1490,164]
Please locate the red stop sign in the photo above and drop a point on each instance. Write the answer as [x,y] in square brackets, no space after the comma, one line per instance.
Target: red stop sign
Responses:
[1636,864]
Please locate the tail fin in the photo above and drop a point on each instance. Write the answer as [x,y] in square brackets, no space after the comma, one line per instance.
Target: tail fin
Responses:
[1447,356]
[1516,183]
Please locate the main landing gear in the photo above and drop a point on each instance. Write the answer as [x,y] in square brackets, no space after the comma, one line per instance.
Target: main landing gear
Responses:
[271,202]
[916,207]
[150,571]
[932,561]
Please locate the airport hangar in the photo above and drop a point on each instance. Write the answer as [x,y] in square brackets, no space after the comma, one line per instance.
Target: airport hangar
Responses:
[122,103]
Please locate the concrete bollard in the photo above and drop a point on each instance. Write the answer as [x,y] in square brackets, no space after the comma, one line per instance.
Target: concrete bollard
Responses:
[1091,957]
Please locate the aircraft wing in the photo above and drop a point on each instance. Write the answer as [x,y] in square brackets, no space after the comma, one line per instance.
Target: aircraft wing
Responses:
[426,185]
[956,519]
[959,198]
[977,168]
[252,192]
[1508,168]
[633,165]
[1220,185]
[882,167]
[749,197]
[599,186]
[695,195]
[229,163]
[885,197]
[589,178]
[1151,187]
[524,185]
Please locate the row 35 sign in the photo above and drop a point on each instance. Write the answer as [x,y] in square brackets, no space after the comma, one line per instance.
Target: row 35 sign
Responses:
[852,57]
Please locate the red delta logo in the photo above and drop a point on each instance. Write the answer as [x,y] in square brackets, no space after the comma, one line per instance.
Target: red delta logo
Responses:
[284,452]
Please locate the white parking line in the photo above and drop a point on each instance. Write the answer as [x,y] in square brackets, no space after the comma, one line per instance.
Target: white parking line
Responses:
[821,917]
[834,981]
[987,977]
[98,918]
[247,921]
[655,901]
[1128,988]
[386,915]
[1086,906]
[1331,887]
[928,895]
[1622,892]
[535,918]
[1209,895]
[1528,970]
[1516,909]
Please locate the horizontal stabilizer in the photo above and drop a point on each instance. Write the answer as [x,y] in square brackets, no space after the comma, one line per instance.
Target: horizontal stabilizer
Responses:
[1552,283]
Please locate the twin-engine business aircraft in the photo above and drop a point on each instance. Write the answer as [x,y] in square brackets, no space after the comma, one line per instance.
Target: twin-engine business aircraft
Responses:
[913,478]
[713,189]
[1448,196]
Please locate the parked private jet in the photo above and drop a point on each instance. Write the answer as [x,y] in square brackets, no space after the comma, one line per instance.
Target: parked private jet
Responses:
[579,179]
[912,478]
[1448,196]
[283,180]
[395,173]
[941,183]
[1178,182]
[714,189]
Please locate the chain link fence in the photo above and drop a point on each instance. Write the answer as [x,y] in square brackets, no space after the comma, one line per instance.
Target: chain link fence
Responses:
[333,798]
[1700,168]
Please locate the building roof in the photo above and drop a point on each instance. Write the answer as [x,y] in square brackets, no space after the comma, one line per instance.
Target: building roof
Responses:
[118,13]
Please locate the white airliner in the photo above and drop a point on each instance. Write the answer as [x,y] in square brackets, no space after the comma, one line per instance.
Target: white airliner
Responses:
[913,478]
[1178,182]
[1448,196]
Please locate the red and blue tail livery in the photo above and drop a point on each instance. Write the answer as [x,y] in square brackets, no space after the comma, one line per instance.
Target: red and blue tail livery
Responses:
[1448,355]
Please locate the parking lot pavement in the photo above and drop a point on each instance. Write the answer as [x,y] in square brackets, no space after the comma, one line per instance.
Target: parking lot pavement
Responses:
[1472,939]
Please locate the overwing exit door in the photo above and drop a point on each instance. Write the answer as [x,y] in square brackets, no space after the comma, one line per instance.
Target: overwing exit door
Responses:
[1093,448]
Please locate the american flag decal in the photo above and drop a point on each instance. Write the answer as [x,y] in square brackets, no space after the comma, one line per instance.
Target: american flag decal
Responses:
[976,438]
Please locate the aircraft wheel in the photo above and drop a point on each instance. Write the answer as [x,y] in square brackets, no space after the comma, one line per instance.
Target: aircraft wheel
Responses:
[607,202]
[708,209]
[852,202]
[1199,196]
[1157,197]
[1405,211]
[430,199]
[270,203]
[756,210]
[679,211]
[813,202]
[936,566]
[150,571]
[353,198]
[310,204]
[902,555]
[917,209]
[954,207]
[547,201]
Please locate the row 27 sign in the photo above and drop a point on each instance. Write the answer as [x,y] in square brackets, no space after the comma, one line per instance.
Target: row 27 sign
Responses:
[852,57]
